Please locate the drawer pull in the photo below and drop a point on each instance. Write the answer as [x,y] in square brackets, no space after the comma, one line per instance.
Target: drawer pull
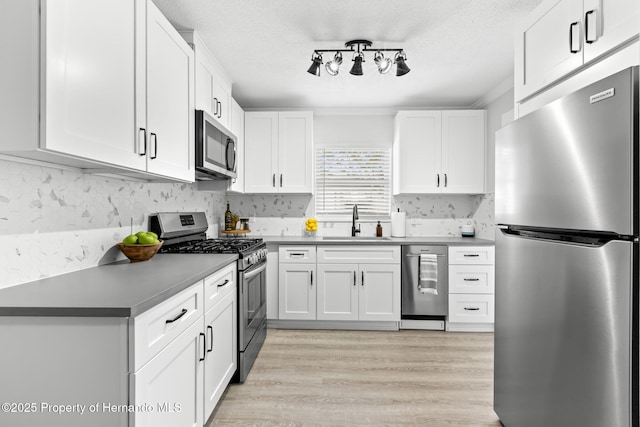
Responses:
[182,313]
[471,255]
[210,330]
[471,279]
[472,308]
[297,255]
[223,283]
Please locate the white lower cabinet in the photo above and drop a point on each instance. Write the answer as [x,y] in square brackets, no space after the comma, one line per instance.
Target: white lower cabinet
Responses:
[346,283]
[168,391]
[358,292]
[471,288]
[220,361]
[168,366]
[296,282]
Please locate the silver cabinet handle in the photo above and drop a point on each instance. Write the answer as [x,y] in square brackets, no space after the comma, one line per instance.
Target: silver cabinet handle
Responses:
[280,180]
[354,278]
[473,279]
[297,255]
[362,273]
[273,180]
[471,255]
[311,277]
[445,179]
[215,108]
[472,308]
[142,142]
[437,180]
[223,283]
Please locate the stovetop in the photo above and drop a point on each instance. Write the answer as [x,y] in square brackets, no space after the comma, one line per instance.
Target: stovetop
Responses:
[213,246]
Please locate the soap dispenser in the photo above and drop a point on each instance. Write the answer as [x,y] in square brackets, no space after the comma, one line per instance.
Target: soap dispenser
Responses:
[378,230]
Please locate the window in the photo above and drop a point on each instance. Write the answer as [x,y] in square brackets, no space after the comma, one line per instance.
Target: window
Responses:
[348,176]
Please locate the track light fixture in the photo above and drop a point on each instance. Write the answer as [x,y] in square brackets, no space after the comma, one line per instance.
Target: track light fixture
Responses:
[358,47]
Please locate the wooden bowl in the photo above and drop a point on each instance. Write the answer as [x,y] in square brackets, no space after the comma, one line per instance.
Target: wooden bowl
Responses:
[137,253]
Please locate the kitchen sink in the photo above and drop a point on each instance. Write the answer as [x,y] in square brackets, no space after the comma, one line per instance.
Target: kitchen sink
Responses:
[355,238]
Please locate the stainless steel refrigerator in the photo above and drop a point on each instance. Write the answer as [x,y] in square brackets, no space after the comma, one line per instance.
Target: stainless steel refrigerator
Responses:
[566,331]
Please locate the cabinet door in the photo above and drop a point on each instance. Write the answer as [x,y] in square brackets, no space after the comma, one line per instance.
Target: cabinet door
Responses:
[237,127]
[89,72]
[222,346]
[295,152]
[417,152]
[463,151]
[171,384]
[379,292]
[609,23]
[222,95]
[297,291]
[260,152]
[543,53]
[169,106]
[337,292]
[204,83]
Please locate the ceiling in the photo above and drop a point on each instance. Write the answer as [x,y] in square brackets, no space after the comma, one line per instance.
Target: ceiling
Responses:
[458,50]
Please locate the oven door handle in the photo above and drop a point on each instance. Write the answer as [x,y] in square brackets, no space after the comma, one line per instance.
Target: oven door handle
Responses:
[255,272]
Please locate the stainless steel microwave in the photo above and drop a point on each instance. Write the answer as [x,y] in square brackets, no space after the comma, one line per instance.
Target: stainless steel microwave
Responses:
[215,149]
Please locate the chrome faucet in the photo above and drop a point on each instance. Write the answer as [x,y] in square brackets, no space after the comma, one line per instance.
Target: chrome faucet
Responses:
[354,230]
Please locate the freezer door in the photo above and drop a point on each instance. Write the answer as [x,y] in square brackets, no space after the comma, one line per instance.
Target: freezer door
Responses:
[570,164]
[563,333]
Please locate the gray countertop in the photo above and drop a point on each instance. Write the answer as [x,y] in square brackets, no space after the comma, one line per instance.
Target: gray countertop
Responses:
[122,289]
[414,240]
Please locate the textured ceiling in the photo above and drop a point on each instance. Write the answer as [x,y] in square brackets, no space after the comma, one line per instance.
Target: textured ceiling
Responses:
[458,50]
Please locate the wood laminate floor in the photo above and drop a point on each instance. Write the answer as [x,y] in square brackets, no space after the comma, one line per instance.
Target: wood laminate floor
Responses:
[365,378]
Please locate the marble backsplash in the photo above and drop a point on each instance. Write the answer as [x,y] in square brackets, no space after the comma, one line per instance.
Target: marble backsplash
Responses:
[54,221]
[427,215]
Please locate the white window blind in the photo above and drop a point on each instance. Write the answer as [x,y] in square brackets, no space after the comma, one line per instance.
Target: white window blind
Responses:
[348,176]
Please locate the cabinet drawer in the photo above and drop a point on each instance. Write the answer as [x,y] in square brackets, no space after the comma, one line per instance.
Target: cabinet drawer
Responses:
[157,327]
[219,284]
[303,254]
[359,254]
[471,279]
[469,308]
[471,254]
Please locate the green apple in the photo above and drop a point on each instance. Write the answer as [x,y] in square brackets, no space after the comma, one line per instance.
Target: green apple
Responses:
[130,239]
[147,239]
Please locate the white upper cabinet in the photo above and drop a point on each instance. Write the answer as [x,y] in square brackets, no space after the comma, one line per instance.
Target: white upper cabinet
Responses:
[439,152]
[89,86]
[278,154]
[417,152]
[609,23]
[89,91]
[213,86]
[562,35]
[169,99]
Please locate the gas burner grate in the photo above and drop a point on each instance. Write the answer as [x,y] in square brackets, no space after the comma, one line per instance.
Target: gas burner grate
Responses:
[212,246]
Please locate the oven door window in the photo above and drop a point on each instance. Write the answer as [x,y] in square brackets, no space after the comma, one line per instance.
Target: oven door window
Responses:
[254,300]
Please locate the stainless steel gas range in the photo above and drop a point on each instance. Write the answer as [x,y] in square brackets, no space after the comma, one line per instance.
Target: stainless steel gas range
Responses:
[185,232]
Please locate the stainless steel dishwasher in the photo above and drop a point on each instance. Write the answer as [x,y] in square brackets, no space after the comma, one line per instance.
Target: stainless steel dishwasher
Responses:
[416,303]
